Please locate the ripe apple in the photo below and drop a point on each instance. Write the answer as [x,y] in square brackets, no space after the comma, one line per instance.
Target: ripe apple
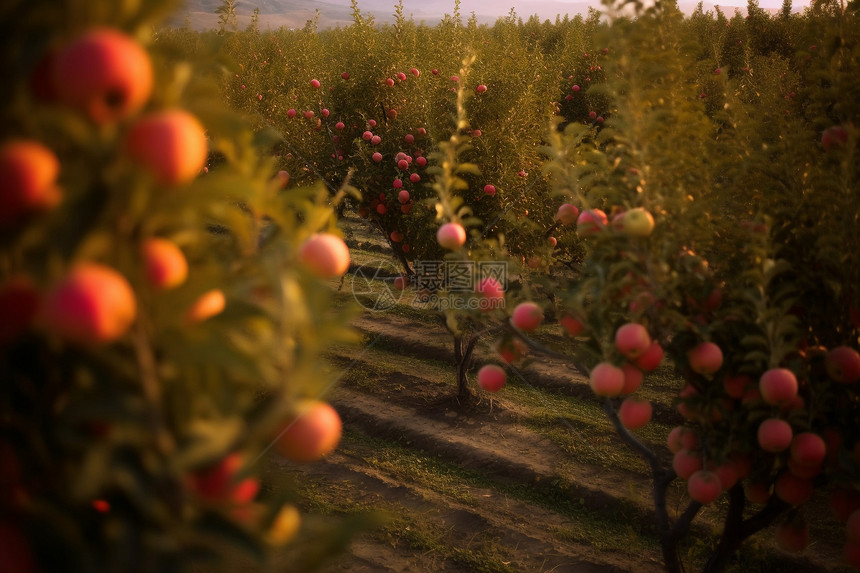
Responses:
[421,161]
[403,196]
[481,88]
[567,214]
[207,305]
[686,463]
[606,379]
[792,489]
[315,83]
[834,137]
[673,440]
[492,293]
[285,526]
[491,377]
[704,486]
[217,483]
[635,412]
[636,222]
[757,492]
[19,306]
[778,386]
[632,378]
[415,72]
[283,178]
[409,139]
[28,175]
[93,304]
[312,432]
[735,386]
[808,449]
[571,325]
[590,222]
[705,358]
[650,360]
[792,535]
[489,189]
[377,157]
[367,135]
[171,144]
[451,236]
[774,435]
[843,364]
[632,339]
[575,88]
[105,74]
[415,178]
[527,316]
[325,255]
[164,263]
[401,282]
[291,113]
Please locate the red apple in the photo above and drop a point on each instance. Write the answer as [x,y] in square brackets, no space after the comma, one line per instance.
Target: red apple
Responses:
[606,379]
[491,377]
[792,535]
[93,304]
[686,463]
[377,157]
[757,492]
[590,222]
[489,189]
[164,263]
[635,412]
[834,137]
[778,386]
[705,358]
[171,144]
[567,214]
[28,175]
[481,88]
[527,316]
[105,74]
[632,339]
[311,433]
[774,435]
[451,236]
[704,486]
[573,326]
[315,83]
[793,489]
[673,440]
[843,364]
[325,255]
[649,360]
[492,293]
[808,449]
[632,378]
[19,306]
[735,386]
[403,196]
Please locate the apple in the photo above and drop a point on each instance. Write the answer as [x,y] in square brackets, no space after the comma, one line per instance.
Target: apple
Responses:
[575,88]
[409,139]
[705,358]
[325,255]
[92,304]
[673,440]
[285,526]
[834,137]
[403,196]
[650,359]
[606,379]
[104,74]
[28,175]
[632,339]
[527,316]
[635,412]
[19,307]
[401,282]
[315,83]
[774,435]
[704,486]
[573,326]
[686,463]
[778,386]
[312,432]
[283,178]
[401,76]
[808,449]
[567,214]
[171,144]
[735,386]
[291,113]
[396,236]
[792,535]
[491,377]
[217,483]
[757,492]
[415,72]
[792,489]
[481,88]
[421,161]
[451,236]
[164,263]
[414,178]
[632,378]
[381,209]
[489,189]
[345,75]
[375,140]
[367,135]
[844,502]
[552,241]
[590,222]
[377,157]
[727,472]
[492,293]
[207,305]
[843,364]
[403,165]
[636,222]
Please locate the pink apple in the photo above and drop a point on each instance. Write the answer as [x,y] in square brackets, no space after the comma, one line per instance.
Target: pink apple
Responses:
[451,236]
[491,377]
[377,157]
[606,379]
[591,221]
[635,412]
[325,255]
[705,358]
[572,325]
[704,486]
[792,489]
[774,435]
[567,214]
[735,386]
[632,339]
[808,449]
[403,196]
[492,293]
[650,360]
[527,316]
[315,83]
[489,189]
[481,88]
[632,378]
[778,386]
[757,492]
[686,463]
[843,364]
